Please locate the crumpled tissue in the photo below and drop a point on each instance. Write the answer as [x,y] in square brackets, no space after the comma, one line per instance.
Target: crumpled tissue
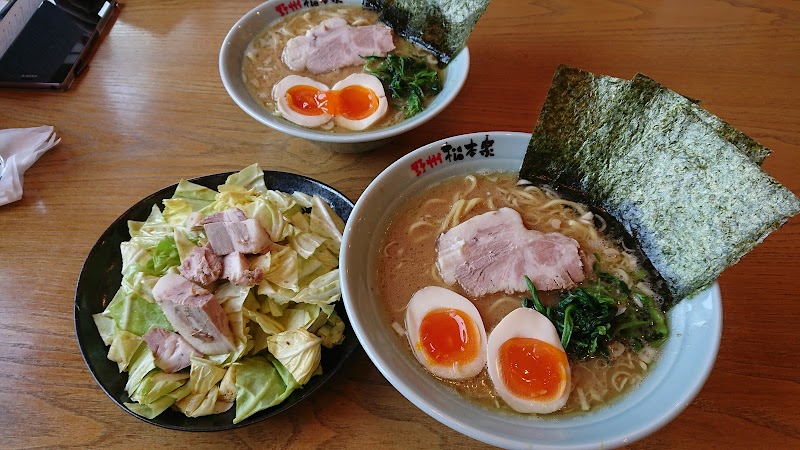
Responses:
[19,149]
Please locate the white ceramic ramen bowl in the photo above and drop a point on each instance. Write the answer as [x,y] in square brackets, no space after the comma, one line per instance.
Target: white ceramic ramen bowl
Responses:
[255,21]
[672,382]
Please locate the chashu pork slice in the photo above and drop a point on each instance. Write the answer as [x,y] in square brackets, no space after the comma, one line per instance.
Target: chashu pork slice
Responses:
[236,269]
[170,350]
[195,314]
[201,266]
[493,252]
[334,44]
[246,236]
[229,215]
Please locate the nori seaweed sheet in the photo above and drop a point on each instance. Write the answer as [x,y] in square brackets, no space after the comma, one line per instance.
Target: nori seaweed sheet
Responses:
[440,26]
[694,200]
[577,103]
[743,142]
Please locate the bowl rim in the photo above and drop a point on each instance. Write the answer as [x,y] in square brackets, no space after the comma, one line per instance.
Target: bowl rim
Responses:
[692,387]
[263,116]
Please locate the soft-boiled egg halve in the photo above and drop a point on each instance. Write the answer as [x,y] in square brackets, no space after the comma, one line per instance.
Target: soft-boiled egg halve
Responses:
[446,333]
[527,364]
[355,102]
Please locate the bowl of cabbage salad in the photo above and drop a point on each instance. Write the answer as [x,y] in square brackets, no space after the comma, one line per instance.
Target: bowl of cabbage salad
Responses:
[214,303]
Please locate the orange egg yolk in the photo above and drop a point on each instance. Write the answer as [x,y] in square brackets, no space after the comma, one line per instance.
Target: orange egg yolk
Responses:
[532,369]
[354,102]
[303,99]
[449,336]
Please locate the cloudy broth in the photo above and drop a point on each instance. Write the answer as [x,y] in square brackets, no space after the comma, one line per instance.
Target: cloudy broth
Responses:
[263,67]
[407,263]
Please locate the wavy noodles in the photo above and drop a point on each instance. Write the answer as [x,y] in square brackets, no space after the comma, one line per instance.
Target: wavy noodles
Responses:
[412,239]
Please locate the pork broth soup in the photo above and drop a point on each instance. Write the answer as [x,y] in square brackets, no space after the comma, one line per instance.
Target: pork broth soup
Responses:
[267,62]
[408,262]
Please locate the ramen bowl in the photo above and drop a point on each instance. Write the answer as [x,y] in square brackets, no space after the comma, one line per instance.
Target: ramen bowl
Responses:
[231,59]
[670,384]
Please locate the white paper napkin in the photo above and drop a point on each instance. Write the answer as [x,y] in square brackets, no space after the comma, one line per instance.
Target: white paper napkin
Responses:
[19,149]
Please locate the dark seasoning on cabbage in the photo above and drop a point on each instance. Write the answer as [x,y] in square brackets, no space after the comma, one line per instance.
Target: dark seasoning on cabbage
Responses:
[685,184]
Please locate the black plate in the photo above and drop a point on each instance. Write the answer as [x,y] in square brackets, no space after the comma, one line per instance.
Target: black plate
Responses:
[101,277]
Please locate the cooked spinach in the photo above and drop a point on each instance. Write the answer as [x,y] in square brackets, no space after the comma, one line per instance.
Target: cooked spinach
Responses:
[408,79]
[588,318]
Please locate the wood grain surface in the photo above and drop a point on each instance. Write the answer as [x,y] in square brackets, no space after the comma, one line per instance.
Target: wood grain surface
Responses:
[151,109]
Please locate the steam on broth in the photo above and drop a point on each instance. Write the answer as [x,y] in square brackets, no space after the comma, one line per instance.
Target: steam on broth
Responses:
[408,258]
[263,66]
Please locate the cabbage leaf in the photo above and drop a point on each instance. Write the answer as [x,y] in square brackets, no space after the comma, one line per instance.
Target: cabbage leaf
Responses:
[204,375]
[195,195]
[324,290]
[106,326]
[124,348]
[298,350]
[302,315]
[268,324]
[325,222]
[332,332]
[152,410]
[261,382]
[269,216]
[158,384]
[141,364]
[305,243]
[203,403]
[176,211]
[249,178]
[135,314]
[284,268]
[163,256]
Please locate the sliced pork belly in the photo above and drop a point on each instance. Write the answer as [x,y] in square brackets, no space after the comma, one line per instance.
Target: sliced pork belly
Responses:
[218,238]
[334,44]
[236,269]
[195,314]
[246,236]
[201,265]
[493,252]
[229,215]
[171,351]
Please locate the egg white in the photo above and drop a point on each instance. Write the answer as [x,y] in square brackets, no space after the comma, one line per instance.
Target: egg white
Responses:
[279,95]
[432,298]
[524,323]
[370,82]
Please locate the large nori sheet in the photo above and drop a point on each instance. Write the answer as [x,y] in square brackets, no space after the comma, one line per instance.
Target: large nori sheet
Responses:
[743,142]
[440,26]
[577,103]
[662,166]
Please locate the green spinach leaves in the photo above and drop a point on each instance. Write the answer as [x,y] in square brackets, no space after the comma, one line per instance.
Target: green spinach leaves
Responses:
[408,79]
[590,317]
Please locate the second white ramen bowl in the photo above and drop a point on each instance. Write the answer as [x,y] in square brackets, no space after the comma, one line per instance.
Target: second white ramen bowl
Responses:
[254,22]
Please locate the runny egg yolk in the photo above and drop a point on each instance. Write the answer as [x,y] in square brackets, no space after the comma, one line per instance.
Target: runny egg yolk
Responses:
[353,102]
[303,99]
[356,102]
[532,369]
[449,336]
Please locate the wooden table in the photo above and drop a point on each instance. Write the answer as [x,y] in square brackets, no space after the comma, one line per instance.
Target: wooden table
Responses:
[151,110]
